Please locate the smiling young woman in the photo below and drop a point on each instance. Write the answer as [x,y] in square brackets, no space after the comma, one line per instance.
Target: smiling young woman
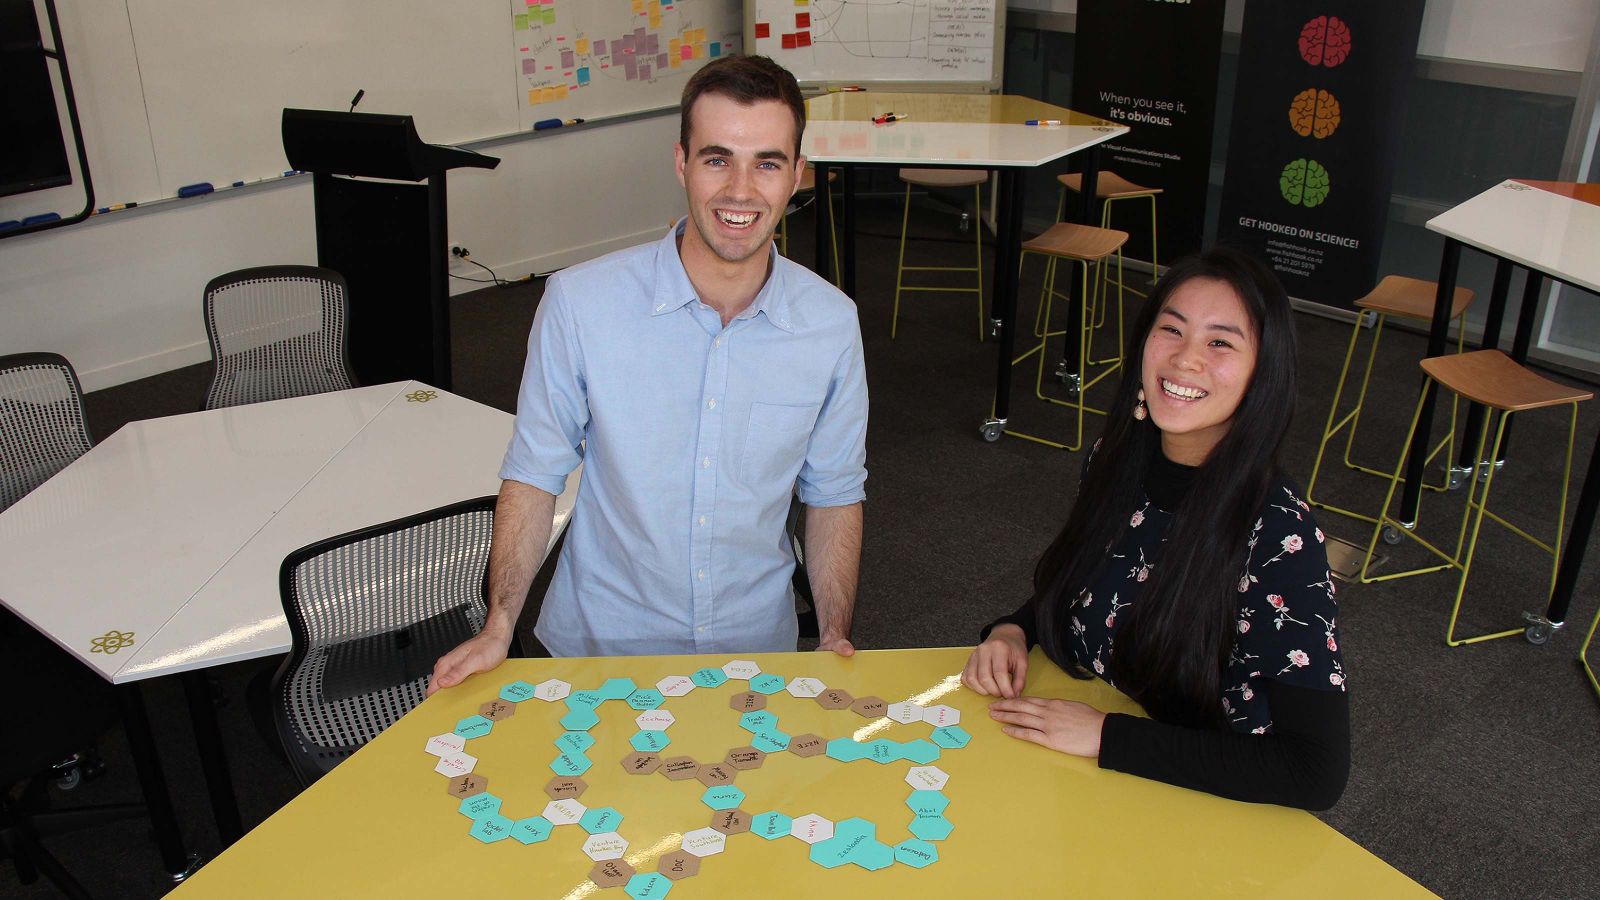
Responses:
[1189,573]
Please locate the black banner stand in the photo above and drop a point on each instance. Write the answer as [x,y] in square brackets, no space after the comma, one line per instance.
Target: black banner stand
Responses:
[386,238]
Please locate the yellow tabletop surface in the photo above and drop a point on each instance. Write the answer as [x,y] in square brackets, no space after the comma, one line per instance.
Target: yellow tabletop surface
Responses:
[1021,818]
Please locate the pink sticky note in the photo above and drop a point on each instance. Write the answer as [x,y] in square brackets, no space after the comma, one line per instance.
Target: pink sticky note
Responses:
[686,51]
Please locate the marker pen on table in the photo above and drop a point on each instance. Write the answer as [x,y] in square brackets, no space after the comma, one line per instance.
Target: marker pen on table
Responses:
[1042,122]
[890,117]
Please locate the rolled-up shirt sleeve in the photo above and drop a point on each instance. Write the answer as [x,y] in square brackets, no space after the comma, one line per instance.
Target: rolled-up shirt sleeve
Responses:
[553,404]
[835,469]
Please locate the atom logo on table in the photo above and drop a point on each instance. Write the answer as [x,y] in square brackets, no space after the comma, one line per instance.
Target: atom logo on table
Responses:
[852,841]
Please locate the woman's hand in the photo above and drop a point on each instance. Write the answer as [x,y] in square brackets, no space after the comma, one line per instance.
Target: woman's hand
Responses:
[1065,725]
[998,667]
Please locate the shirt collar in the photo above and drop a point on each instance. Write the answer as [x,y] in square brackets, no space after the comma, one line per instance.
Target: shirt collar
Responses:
[674,290]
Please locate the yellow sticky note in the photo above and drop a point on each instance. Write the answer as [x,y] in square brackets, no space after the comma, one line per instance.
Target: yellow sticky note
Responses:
[672,47]
[638,6]
[533,97]
[698,35]
[676,59]
[699,51]
[559,92]
[655,18]
[583,45]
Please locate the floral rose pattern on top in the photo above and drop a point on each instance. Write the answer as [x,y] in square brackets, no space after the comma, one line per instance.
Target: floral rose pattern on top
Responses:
[1287,624]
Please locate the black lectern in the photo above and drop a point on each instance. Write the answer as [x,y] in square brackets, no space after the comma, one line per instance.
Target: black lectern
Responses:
[386,239]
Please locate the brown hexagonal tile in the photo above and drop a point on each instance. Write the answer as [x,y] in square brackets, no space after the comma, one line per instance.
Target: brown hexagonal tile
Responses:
[679,767]
[833,698]
[565,788]
[497,710]
[713,774]
[469,785]
[745,758]
[678,864]
[641,763]
[611,873]
[747,701]
[807,745]
[731,821]
[870,707]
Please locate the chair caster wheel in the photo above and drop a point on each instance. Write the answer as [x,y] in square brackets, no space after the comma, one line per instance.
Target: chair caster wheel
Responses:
[1538,634]
[1391,535]
[991,431]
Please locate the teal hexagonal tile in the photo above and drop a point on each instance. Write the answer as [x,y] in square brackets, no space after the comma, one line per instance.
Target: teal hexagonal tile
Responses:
[846,750]
[767,683]
[491,829]
[580,719]
[771,825]
[758,721]
[830,853]
[480,806]
[931,828]
[571,764]
[873,855]
[517,691]
[646,698]
[709,677]
[920,751]
[575,741]
[649,741]
[600,820]
[883,751]
[723,796]
[928,803]
[584,699]
[473,726]
[771,741]
[951,737]
[913,852]
[617,688]
[648,886]
[532,830]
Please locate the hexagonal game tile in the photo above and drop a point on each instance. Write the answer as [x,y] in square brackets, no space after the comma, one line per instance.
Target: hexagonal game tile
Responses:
[771,825]
[714,774]
[495,710]
[927,778]
[757,721]
[771,741]
[920,751]
[766,683]
[703,842]
[854,841]
[600,820]
[928,803]
[731,821]
[468,785]
[745,758]
[722,796]
[570,764]
[646,698]
[580,719]
[747,701]
[647,886]
[847,750]
[883,751]
[709,678]
[611,873]
[449,742]
[565,788]
[804,687]
[869,707]
[833,698]
[605,845]
[649,741]
[584,699]
[454,764]
[951,737]
[491,829]
[480,806]
[678,865]
[474,727]
[551,690]
[575,741]
[617,688]
[931,828]
[678,768]
[564,812]
[742,669]
[641,763]
[518,691]
[905,712]
[941,715]
[915,853]
[654,720]
[808,745]
[675,685]
[532,830]
[811,828]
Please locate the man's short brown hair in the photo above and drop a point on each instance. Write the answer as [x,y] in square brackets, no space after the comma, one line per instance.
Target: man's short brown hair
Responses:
[745,80]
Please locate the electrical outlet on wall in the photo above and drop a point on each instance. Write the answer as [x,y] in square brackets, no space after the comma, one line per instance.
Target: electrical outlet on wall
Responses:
[458,250]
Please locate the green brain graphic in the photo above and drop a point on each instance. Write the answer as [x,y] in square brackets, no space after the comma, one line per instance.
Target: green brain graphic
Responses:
[1305,182]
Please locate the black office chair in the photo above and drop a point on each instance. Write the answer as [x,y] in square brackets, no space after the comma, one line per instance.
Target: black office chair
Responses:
[42,425]
[276,332]
[370,612]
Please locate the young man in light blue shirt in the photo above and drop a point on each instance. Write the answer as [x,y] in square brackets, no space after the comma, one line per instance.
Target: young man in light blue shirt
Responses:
[702,380]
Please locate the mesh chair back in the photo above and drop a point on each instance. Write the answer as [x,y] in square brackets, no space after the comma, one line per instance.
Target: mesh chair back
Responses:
[42,426]
[276,332]
[370,612]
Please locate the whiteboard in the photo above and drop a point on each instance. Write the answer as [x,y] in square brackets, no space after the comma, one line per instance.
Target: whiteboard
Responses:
[837,42]
[216,75]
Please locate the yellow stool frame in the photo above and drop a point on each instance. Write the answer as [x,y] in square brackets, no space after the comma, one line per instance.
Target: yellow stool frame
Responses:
[1583,654]
[1523,391]
[1085,246]
[1113,188]
[1389,298]
[808,182]
[940,178]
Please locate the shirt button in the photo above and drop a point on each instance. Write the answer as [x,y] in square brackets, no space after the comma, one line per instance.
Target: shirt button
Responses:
[712,403]
[701,574]
[717,342]
[701,628]
[702,520]
[705,463]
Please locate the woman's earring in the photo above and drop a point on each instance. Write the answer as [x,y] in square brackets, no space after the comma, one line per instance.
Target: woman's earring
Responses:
[1139,411]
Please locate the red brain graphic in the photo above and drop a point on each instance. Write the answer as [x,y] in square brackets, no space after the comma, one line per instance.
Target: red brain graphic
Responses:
[1325,41]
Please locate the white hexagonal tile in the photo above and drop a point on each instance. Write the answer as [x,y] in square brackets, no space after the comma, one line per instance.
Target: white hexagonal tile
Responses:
[812,828]
[449,742]
[552,690]
[654,720]
[675,685]
[457,763]
[927,778]
[564,812]
[606,845]
[805,687]
[743,669]
[905,713]
[940,716]
[704,842]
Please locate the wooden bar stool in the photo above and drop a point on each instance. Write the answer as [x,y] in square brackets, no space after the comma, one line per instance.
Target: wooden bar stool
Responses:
[1492,379]
[944,178]
[1112,188]
[1407,298]
[1086,246]
[808,182]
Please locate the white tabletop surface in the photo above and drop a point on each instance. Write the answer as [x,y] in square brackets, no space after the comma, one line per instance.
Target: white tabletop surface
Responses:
[1544,229]
[174,529]
[980,130]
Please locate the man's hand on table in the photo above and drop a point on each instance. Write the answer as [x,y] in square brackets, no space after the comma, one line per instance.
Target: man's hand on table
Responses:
[839,645]
[480,653]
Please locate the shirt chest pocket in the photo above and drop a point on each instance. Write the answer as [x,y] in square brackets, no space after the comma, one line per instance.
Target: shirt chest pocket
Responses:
[775,441]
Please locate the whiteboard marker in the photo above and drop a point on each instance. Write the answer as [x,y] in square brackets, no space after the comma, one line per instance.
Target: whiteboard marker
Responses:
[1042,122]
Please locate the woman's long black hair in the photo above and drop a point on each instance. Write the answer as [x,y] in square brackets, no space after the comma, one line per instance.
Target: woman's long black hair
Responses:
[1174,644]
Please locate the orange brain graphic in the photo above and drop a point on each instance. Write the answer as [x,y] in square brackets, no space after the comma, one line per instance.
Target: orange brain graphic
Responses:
[1325,41]
[1314,113]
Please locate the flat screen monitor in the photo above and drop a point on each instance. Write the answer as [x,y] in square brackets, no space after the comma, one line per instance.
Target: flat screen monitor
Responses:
[32,154]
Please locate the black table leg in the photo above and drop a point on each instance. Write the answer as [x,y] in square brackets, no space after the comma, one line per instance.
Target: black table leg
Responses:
[1522,341]
[1007,241]
[847,229]
[1072,348]
[153,783]
[1577,543]
[213,758]
[823,194]
[1466,466]
[1416,452]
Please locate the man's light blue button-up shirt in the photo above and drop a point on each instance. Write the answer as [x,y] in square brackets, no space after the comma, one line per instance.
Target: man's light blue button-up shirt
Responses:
[693,438]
